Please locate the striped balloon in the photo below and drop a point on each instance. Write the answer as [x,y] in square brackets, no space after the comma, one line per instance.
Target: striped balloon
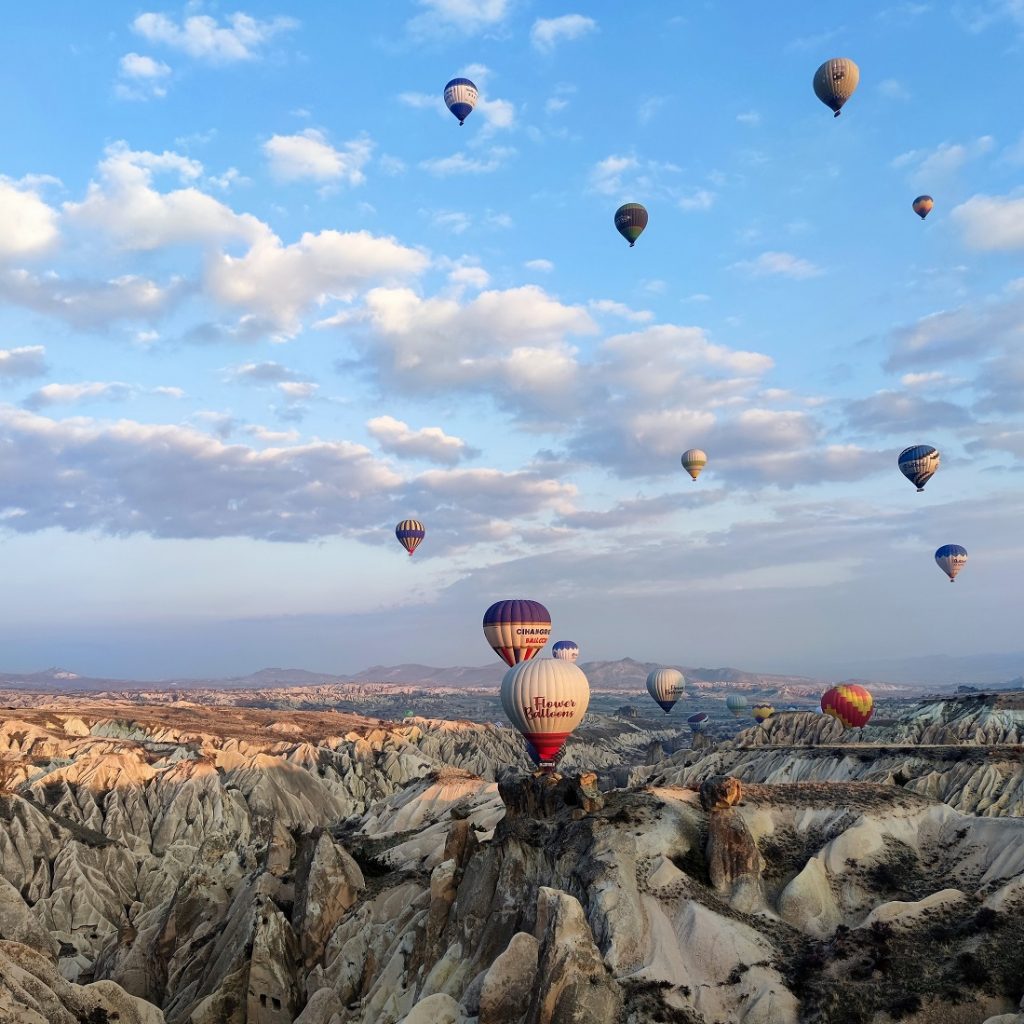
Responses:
[762,711]
[835,81]
[951,558]
[694,460]
[923,206]
[565,650]
[410,534]
[517,629]
[850,703]
[698,722]
[545,700]
[918,463]
[630,221]
[736,703]
[666,686]
[460,96]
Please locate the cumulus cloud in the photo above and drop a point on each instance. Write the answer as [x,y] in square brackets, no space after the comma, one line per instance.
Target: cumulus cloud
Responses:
[278,282]
[241,37]
[430,443]
[90,303]
[460,163]
[82,391]
[606,176]
[621,310]
[927,166]
[547,33]
[20,363]
[308,155]
[896,412]
[991,222]
[124,205]
[142,77]
[30,225]
[464,17]
[778,264]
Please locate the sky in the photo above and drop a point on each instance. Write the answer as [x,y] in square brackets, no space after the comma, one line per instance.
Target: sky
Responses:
[261,298]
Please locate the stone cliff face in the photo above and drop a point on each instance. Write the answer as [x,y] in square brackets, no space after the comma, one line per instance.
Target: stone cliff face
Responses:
[195,868]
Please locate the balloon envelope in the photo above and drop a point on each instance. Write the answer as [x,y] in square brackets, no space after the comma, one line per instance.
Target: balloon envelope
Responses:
[736,703]
[951,558]
[850,703]
[835,81]
[545,700]
[698,722]
[630,221]
[460,96]
[923,206]
[666,686]
[694,460]
[918,464]
[410,534]
[517,629]
[565,650]
[762,711]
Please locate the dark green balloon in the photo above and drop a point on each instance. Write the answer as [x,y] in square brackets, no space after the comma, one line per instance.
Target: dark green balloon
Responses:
[630,221]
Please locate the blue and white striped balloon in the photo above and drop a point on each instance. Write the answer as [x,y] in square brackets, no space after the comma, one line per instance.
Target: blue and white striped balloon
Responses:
[460,96]
[951,558]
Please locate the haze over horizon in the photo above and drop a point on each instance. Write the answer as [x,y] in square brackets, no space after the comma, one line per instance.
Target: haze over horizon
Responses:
[261,298]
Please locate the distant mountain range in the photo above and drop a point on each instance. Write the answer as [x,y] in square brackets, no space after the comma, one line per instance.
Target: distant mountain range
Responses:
[626,673]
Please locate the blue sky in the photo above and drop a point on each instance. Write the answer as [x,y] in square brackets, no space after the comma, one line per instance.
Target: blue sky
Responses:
[261,297]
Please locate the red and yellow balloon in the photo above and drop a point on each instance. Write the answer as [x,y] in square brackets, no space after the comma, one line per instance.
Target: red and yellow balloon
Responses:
[850,703]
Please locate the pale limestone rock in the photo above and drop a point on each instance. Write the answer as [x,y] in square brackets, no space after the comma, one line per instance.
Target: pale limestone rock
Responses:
[436,1009]
[808,903]
[509,981]
[907,913]
[320,1008]
[664,874]
[19,924]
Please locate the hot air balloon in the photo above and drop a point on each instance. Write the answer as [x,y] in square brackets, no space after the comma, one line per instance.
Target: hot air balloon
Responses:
[517,630]
[762,711]
[835,81]
[918,464]
[694,460]
[851,704]
[698,722]
[460,96]
[630,221]
[666,686]
[565,650]
[951,559]
[736,703]
[923,206]
[410,534]
[545,699]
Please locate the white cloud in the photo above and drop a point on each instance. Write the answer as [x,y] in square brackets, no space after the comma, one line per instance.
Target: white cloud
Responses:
[125,205]
[928,166]
[606,176]
[465,17]
[30,225]
[699,199]
[926,379]
[469,277]
[540,266]
[141,77]
[430,443]
[749,117]
[272,436]
[547,33]
[893,89]
[991,222]
[297,390]
[279,282]
[262,373]
[308,155]
[619,309]
[90,303]
[460,163]
[242,37]
[778,264]
[649,108]
[454,221]
[19,363]
[69,394]
[169,391]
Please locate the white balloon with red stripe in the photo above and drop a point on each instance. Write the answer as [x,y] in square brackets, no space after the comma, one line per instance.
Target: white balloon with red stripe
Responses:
[545,699]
